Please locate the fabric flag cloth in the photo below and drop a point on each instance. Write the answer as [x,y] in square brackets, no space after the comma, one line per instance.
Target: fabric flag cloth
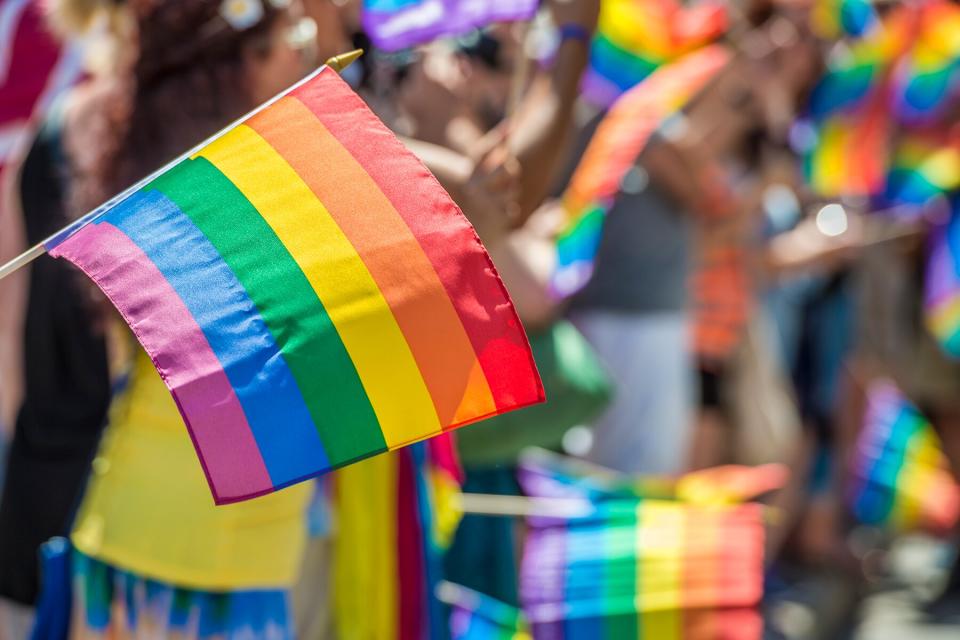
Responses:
[835,18]
[642,568]
[614,150]
[475,616]
[310,295]
[394,519]
[900,476]
[636,37]
[399,24]
[942,295]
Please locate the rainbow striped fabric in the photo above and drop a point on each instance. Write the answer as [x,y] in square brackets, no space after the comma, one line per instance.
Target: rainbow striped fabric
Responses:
[900,476]
[393,520]
[309,294]
[942,295]
[647,569]
[398,24]
[475,616]
[635,37]
[614,150]
[639,567]
[834,18]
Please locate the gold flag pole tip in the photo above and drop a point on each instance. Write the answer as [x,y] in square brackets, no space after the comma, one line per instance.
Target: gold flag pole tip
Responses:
[344,60]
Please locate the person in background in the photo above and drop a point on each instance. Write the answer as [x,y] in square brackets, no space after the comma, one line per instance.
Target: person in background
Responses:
[54,385]
[151,551]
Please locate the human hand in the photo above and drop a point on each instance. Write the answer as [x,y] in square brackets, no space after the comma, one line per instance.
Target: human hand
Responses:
[492,193]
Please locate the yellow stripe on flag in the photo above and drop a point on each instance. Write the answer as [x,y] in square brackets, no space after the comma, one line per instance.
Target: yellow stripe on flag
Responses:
[341,280]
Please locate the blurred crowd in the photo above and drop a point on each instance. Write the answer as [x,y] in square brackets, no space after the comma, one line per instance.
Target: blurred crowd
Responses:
[772,277]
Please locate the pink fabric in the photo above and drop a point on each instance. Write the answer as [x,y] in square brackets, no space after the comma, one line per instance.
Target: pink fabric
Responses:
[225,442]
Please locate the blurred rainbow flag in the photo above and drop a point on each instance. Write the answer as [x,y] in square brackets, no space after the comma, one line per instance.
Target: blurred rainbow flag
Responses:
[901,479]
[614,150]
[635,37]
[834,18]
[942,304]
[923,168]
[655,558]
[398,24]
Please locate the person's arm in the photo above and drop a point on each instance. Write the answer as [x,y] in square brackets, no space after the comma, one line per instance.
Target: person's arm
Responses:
[536,134]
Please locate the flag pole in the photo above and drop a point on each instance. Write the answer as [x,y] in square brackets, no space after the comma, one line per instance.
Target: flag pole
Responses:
[337,63]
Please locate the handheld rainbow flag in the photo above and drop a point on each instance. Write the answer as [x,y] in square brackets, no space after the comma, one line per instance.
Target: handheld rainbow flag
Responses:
[638,567]
[834,18]
[922,169]
[475,616]
[942,296]
[309,294]
[647,569]
[614,150]
[635,37]
[398,24]
[901,479]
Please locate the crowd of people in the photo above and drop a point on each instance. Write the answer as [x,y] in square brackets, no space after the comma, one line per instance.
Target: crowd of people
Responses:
[754,276]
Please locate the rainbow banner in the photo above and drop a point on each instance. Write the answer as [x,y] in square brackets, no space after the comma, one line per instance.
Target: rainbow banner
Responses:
[475,616]
[614,150]
[942,295]
[398,24]
[900,476]
[309,294]
[647,569]
[636,37]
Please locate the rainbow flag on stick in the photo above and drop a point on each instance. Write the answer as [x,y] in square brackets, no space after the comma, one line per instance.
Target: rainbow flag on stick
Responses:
[636,37]
[614,150]
[309,294]
[900,478]
[398,24]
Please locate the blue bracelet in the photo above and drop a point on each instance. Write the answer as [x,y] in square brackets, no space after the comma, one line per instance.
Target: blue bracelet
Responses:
[574,32]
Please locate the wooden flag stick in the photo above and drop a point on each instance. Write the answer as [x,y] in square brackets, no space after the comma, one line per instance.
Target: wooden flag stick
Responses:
[337,63]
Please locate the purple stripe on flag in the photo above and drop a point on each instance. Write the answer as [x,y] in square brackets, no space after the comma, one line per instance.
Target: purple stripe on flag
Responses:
[429,19]
[184,358]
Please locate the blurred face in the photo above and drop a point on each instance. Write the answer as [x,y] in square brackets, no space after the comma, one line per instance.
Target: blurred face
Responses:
[291,53]
[331,31]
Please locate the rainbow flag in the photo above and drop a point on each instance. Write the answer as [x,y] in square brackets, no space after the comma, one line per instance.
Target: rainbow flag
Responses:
[922,169]
[900,476]
[636,37]
[398,24]
[309,294]
[928,77]
[475,616]
[942,295]
[834,18]
[614,150]
[647,569]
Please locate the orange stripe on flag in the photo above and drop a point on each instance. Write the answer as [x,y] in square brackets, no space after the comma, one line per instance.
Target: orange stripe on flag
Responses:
[415,294]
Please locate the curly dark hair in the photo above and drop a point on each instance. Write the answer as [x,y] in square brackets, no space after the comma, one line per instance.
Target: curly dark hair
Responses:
[186,82]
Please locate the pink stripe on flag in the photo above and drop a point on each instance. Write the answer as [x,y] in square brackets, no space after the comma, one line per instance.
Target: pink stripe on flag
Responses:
[176,344]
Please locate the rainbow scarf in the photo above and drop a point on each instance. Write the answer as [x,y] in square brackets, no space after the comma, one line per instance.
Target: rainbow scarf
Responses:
[635,37]
[475,616]
[647,569]
[398,24]
[309,294]
[614,150]
[393,520]
[942,296]
[900,475]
